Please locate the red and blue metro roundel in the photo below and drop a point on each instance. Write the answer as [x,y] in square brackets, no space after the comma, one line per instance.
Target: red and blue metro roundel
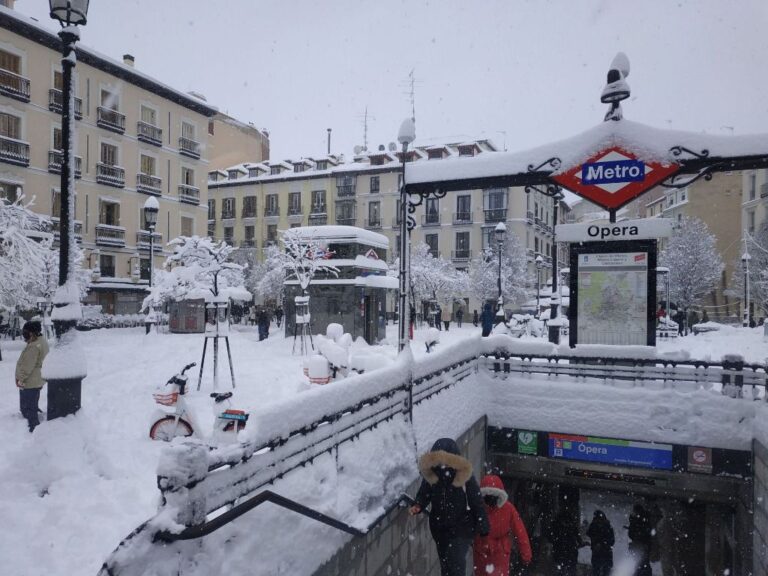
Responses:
[613,177]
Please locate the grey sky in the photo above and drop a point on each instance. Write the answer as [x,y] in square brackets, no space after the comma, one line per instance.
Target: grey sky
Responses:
[520,73]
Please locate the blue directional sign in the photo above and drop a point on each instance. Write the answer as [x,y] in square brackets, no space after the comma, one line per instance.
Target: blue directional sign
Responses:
[612,172]
[610,451]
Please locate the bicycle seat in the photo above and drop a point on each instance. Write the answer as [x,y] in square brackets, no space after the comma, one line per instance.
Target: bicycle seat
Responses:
[220,396]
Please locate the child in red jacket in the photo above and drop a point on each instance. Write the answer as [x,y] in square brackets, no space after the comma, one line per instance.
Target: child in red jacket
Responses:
[492,553]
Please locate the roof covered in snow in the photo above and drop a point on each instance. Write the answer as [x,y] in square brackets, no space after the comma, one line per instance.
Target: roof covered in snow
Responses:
[343,234]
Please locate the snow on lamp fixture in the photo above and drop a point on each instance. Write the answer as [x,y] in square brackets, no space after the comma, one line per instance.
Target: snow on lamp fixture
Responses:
[151,208]
[70,12]
[616,87]
[407,133]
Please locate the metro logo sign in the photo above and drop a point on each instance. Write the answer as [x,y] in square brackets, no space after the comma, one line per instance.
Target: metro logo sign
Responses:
[613,177]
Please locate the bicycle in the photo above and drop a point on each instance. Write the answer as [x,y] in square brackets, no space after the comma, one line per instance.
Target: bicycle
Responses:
[182,422]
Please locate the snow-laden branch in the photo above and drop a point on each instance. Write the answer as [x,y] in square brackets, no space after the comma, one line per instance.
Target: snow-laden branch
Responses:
[515,278]
[302,257]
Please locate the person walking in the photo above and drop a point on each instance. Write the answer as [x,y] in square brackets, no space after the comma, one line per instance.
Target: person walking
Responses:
[475,318]
[262,319]
[436,318]
[492,553]
[601,540]
[459,316]
[566,541]
[29,380]
[640,534]
[446,316]
[456,512]
[486,319]
[279,316]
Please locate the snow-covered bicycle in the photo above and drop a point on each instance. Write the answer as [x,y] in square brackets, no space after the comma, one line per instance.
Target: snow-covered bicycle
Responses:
[181,422]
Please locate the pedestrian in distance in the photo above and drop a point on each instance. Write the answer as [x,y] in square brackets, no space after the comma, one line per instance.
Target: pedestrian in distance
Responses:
[262,320]
[456,511]
[492,553]
[29,379]
[601,540]
[486,319]
[475,318]
[436,317]
[566,541]
[459,316]
[279,316]
[640,535]
[446,317]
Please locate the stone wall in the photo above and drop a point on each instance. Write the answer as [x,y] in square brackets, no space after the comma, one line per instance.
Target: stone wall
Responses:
[401,544]
[760,532]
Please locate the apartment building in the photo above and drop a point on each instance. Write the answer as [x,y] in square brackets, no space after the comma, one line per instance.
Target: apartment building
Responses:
[249,203]
[754,213]
[135,138]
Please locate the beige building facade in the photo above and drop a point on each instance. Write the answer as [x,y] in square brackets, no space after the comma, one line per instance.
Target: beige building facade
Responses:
[134,138]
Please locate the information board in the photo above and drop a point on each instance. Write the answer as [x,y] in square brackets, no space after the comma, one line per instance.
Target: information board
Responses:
[613,298]
[610,451]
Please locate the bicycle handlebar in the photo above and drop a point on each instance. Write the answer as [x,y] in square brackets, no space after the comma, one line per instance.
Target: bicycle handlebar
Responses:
[188,366]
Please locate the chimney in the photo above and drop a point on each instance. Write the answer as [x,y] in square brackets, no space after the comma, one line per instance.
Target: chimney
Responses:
[128,60]
[329,141]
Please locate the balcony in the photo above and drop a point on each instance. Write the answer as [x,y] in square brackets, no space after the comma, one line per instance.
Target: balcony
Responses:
[56,103]
[294,210]
[494,215]
[764,190]
[14,86]
[432,219]
[318,219]
[14,151]
[110,175]
[271,211]
[55,158]
[149,133]
[462,217]
[227,214]
[189,194]
[107,271]
[461,255]
[149,184]
[142,241]
[249,212]
[189,148]
[109,235]
[56,229]
[373,222]
[248,243]
[345,191]
[345,221]
[529,216]
[110,120]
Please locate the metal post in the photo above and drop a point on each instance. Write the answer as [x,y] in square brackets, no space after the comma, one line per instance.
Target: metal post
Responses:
[554,304]
[500,300]
[745,262]
[151,251]
[538,290]
[404,309]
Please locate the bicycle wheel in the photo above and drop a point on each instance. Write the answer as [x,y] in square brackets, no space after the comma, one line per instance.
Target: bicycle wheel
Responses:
[167,428]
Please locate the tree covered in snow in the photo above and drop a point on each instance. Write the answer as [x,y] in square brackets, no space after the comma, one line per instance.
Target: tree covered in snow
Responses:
[484,272]
[435,278]
[694,263]
[758,267]
[302,257]
[198,267]
[265,280]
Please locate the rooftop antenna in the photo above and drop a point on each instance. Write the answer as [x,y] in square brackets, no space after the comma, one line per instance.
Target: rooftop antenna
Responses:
[365,117]
[410,86]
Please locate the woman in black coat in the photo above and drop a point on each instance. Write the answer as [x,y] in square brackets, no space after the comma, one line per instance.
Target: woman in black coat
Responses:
[457,513]
[601,540]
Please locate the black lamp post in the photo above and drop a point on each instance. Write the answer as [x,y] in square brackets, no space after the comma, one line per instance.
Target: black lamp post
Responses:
[151,208]
[554,303]
[745,258]
[539,264]
[405,136]
[500,232]
[65,368]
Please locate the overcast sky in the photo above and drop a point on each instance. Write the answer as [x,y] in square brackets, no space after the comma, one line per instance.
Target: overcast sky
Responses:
[520,73]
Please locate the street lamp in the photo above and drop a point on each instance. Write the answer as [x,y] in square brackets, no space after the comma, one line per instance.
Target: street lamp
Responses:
[539,264]
[151,208]
[500,232]
[405,136]
[64,368]
[745,258]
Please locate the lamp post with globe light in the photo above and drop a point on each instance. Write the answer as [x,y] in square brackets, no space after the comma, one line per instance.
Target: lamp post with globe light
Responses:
[151,209]
[500,232]
[405,136]
[745,258]
[539,264]
[64,368]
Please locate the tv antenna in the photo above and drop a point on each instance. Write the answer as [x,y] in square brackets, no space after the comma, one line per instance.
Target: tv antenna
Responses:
[410,92]
[364,119]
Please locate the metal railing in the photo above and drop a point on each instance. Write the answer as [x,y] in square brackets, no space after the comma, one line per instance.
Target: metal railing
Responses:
[462,217]
[345,191]
[56,103]
[529,216]
[14,151]
[149,184]
[343,221]
[56,229]
[459,255]
[373,222]
[109,235]
[764,190]
[249,212]
[109,119]
[495,215]
[189,147]
[319,219]
[142,240]
[432,219]
[14,86]
[294,210]
[110,175]
[149,133]
[272,211]
[55,158]
[227,214]
[189,194]
[248,243]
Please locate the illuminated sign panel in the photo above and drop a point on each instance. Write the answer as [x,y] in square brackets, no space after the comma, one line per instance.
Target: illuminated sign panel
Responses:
[610,451]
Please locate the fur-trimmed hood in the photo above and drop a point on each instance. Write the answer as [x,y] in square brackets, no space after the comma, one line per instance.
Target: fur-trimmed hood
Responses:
[447,458]
[492,485]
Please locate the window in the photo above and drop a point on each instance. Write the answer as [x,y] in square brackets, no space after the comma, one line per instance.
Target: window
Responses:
[345,211]
[233,174]
[462,244]
[274,170]
[374,184]
[432,211]
[396,246]
[496,199]
[345,185]
[294,203]
[57,142]
[489,239]
[466,150]
[250,233]
[249,207]
[58,80]
[211,209]
[148,165]
[397,212]
[10,126]
[751,222]
[210,127]
[431,241]
[10,191]
[536,245]
[374,214]
[399,181]
[144,268]
[272,233]
[229,235]
[187,176]
[318,202]
[322,165]
[752,186]
[211,229]
[299,167]
[228,208]
[10,62]
[187,130]
[109,154]
[464,208]
[187,226]
[107,265]
[109,213]
[254,172]
[271,208]
[149,115]
[682,195]
[109,100]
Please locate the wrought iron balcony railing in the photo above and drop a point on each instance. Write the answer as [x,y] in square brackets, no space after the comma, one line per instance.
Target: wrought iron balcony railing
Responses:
[189,148]
[373,223]
[56,157]
[149,184]
[110,175]
[14,151]
[495,215]
[149,133]
[318,219]
[14,86]
[109,235]
[764,190]
[345,221]
[189,194]
[56,229]
[461,255]
[345,191]
[432,219]
[272,211]
[142,240]
[56,99]
[110,120]
[462,217]
[227,214]
[294,210]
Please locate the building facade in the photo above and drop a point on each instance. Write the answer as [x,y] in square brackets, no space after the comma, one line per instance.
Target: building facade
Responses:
[134,138]
[249,203]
